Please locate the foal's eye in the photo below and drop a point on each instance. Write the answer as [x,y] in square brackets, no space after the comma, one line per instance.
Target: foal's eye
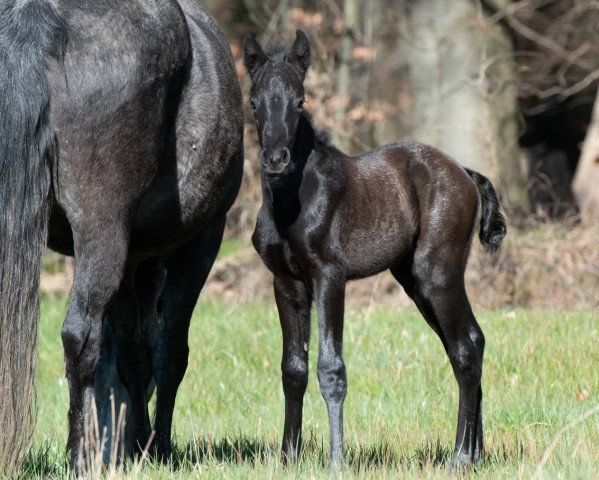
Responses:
[300,104]
[252,105]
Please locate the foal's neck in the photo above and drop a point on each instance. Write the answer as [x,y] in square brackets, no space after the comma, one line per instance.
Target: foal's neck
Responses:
[282,194]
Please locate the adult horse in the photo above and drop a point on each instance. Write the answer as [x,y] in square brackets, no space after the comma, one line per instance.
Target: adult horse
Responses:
[122,147]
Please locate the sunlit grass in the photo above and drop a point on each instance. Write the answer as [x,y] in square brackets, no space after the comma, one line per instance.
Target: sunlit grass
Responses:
[540,374]
[231,246]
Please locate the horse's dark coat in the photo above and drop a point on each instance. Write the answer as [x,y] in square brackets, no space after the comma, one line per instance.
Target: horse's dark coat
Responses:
[146,109]
[327,218]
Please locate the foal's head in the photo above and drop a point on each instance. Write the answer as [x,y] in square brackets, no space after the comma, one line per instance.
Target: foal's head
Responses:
[277,98]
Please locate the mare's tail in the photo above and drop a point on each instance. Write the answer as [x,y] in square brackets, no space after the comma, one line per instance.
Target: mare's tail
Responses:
[492,223]
[30,31]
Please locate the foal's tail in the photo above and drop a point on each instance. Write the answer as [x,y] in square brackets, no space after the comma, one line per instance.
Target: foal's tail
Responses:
[30,30]
[492,223]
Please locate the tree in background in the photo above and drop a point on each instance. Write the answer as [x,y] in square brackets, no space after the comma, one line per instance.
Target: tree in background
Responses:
[586,181]
[557,51]
[465,95]
[350,23]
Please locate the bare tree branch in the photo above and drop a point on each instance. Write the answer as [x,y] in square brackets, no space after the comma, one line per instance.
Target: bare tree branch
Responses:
[548,43]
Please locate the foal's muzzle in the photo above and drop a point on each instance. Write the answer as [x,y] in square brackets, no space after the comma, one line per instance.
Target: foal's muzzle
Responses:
[275,161]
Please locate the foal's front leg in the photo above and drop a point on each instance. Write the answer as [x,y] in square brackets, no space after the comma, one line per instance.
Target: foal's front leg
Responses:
[329,293]
[293,302]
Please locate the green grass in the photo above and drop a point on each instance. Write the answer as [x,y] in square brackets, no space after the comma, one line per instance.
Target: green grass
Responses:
[231,246]
[401,406]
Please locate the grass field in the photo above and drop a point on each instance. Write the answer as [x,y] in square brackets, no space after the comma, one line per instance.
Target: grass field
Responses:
[541,377]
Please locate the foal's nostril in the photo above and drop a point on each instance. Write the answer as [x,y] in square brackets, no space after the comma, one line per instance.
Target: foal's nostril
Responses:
[275,160]
[278,156]
[285,156]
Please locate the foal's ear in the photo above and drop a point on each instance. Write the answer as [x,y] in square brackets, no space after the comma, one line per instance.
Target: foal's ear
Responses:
[253,55]
[300,52]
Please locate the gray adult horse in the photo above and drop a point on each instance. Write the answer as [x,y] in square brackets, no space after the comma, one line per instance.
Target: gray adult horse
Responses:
[121,143]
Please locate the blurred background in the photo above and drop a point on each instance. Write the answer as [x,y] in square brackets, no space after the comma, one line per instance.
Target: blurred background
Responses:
[508,88]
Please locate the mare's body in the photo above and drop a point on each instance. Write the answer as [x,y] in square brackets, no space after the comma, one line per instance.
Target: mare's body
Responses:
[327,218]
[142,116]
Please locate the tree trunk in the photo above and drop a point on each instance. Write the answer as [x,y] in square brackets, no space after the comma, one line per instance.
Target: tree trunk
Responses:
[350,18]
[389,79]
[464,82]
[586,178]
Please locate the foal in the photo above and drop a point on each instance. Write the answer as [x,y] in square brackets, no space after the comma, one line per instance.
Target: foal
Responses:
[327,218]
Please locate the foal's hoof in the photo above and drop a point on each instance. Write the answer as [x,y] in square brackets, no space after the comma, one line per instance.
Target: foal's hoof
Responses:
[337,466]
[461,463]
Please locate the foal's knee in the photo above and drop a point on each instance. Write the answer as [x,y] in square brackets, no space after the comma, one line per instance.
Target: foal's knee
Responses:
[467,356]
[332,379]
[295,377]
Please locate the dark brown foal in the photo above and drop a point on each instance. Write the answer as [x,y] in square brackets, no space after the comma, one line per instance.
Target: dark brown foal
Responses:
[327,218]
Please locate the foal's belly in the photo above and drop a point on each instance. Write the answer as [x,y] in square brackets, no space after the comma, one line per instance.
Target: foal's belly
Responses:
[369,253]
[378,229]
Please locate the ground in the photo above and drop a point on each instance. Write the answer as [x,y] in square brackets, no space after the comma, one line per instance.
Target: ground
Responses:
[541,387]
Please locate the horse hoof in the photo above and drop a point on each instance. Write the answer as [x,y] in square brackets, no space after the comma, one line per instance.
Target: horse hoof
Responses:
[337,466]
[461,463]
[160,453]
[290,457]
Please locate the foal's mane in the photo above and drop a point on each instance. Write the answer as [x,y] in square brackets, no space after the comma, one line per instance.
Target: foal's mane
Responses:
[323,142]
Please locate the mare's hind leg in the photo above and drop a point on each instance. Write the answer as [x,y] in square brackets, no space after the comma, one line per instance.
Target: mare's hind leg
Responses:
[186,273]
[99,268]
[293,303]
[110,373]
[441,298]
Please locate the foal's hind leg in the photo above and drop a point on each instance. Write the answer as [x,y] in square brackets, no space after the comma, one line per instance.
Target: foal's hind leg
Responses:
[442,300]
[187,270]
[293,303]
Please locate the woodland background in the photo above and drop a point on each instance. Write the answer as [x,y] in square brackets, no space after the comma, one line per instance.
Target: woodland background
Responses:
[508,88]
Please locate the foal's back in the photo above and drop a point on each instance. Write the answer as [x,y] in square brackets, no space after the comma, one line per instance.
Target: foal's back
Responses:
[398,198]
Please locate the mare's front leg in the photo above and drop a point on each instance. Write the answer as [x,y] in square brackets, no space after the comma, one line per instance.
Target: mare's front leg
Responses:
[329,294]
[99,267]
[293,303]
